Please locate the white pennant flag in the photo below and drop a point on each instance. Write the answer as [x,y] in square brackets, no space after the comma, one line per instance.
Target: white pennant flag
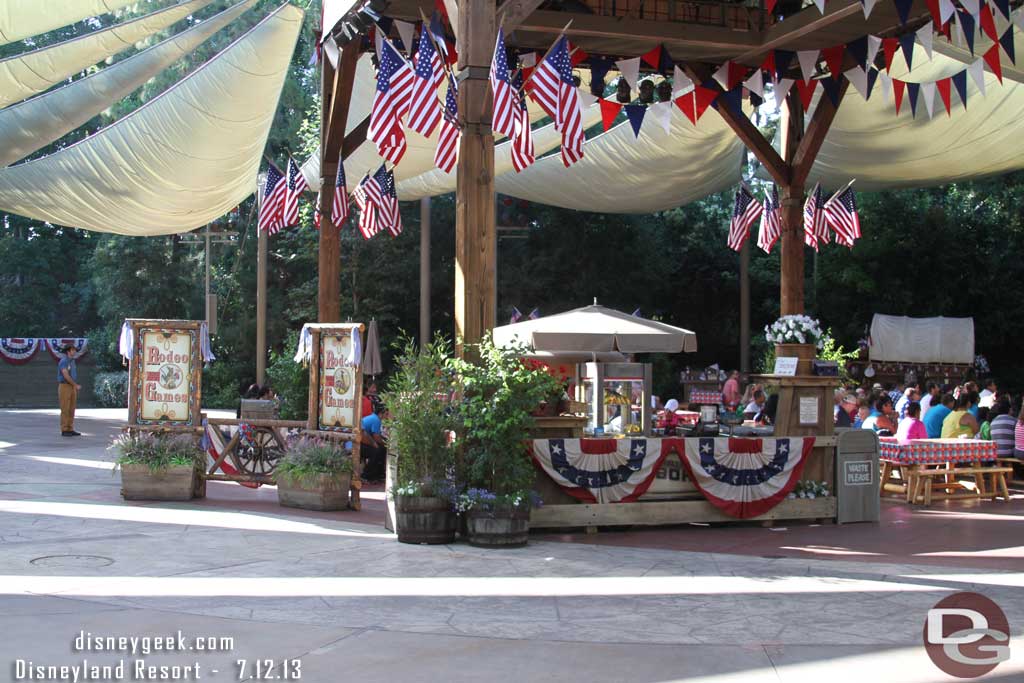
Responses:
[928,93]
[1018,18]
[973,7]
[808,59]
[661,112]
[378,41]
[821,5]
[925,36]
[755,83]
[868,5]
[681,83]
[977,71]
[405,30]
[630,70]
[332,52]
[886,85]
[946,10]
[874,45]
[722,76]
[528,60]
[858,77]
[586,99]
[780,89]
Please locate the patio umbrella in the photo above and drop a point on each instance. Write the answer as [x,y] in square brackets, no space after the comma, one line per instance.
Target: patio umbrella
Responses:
[371,355]
[596,329]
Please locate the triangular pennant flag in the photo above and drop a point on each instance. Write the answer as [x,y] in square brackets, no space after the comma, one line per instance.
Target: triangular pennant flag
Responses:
[907,43]
[730,74]
[886,86]
[756,100]
[577,55]
[1006,40]
[755,83]
[666,62]
[925,34]
[834,59]
[1018,19]
[858,49]
[872,77]
[831,87]
[912,91]
[680,82]
[903,8]
[806,90]
[733,99]
[928,94]
[652,57]
[769,5]
[780,89]
[889,46]
[661,112]
[378,40]
[405,32]
[967,25]
[702,99]
[992,59]
[635,114]
[933,9]
[960,83]
[686,105]
[977,71]
[609,111]
[946,10]
[897,92]
[874,43]
[630,70]
[944,86]
[769,64]
[1004,7]
[868,5]
[808,59]
[988,23]
[783,58]
[821,5]
[586,99]
[858,79]
[973,7]
[721,75]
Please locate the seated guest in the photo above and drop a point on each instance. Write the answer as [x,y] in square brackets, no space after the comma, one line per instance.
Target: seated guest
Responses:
[881,418]
[731,391]
[910,395]
[373,451]
[984,427]
[755,406]
[863,411]
[936,414]
[911,426]
[1018,433]
[931,396]
[1001,427]
[767,415]
[960,422]
[988,394]
[847,411]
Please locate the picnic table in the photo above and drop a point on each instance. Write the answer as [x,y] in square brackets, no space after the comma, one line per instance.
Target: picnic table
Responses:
[920,468]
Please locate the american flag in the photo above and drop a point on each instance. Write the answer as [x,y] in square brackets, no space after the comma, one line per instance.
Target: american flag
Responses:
[272,202]
[745,211]
[424,113]
[814,218]
[339,207]
[553,89]
[447,152]
[534,314]
[522,143]
[516,316]
[841,214]
[771,222]
[390,103]
[505,110]
[296,186]
[368,225]
[389,215]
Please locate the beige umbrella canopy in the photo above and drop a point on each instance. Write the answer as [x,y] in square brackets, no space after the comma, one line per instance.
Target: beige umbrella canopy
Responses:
[596,329]
[371,357]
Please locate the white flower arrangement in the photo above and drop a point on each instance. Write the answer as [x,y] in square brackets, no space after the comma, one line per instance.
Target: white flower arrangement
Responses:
[810,489]
[795,329]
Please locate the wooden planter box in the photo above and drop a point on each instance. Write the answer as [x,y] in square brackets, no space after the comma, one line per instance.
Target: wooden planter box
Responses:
[423,519]
[324,492]
[805,352]
[500,529]
[138,482]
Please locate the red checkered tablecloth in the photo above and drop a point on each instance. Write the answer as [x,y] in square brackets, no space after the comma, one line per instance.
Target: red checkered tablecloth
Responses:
[936,451]
[705,396]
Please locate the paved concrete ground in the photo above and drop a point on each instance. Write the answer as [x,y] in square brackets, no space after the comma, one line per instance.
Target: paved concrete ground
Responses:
[339,594]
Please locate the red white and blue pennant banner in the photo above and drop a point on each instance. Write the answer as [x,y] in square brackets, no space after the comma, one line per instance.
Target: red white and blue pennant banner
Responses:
[21,350]
[56,346]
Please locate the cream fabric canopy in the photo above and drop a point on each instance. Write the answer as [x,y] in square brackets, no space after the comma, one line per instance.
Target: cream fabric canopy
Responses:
[25,18]
[33,72]
[922,340]
[596,329]
[31,125]
[179,161]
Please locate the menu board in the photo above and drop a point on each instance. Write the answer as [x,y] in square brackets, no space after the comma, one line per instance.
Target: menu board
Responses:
[165,389]
[337,382]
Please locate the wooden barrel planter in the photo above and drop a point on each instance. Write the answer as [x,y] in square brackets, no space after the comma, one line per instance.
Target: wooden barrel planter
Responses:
[324,492]
[503,528]
[139,482]
[424,520]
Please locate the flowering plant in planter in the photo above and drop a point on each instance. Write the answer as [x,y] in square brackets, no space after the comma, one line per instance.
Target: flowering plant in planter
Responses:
[795,329]
[808,488]
[487,501]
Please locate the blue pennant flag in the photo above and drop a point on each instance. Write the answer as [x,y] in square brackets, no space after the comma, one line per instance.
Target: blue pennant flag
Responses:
[636,313]
[960,83]
[912,90]
[872,79]
[1004,7]
[1006,40]
[831,88]
[858,49]
[907,43]
[968,24]
[903,7]
[635,113]
[783,58]
[733,98]
[599,68]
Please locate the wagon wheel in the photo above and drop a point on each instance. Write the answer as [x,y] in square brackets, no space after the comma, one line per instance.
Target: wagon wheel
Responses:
[261,454]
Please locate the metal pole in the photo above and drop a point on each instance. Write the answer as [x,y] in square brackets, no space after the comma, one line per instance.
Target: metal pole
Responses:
[261,305]
[424,272]
[745,307]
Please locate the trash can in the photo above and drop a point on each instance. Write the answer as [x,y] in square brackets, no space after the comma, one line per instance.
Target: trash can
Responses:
[857,474]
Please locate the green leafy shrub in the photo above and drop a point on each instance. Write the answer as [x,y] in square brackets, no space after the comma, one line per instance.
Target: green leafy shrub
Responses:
[290,380]
[111,389]
[311,457]
[157,451]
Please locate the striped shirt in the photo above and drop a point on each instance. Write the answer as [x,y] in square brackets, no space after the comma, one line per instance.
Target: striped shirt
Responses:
[1018,438]
[1003,434]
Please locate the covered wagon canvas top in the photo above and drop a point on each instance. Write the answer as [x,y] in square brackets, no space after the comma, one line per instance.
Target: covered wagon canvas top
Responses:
[922,340]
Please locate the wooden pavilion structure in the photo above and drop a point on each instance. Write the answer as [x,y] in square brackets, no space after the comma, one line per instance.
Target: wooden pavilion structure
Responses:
[700,36]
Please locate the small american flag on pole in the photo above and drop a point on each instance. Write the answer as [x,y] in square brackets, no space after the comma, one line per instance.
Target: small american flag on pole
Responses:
[814,218]
[841,214]
[552,87]
[522,142]
[424,112]
[368,225]
[390,216]
[272,202]
[447,152]
[771,222]
[390,103]
[745,211]
[339,206]
[296,186]
[505,110]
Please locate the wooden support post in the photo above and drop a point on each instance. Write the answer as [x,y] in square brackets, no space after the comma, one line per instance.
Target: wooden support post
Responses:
[261,305]
[474,213]
[791,275]
[745,307]
[424,272]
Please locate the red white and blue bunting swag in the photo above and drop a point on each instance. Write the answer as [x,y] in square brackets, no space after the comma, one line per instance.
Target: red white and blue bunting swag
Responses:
[741,477]
[21,350]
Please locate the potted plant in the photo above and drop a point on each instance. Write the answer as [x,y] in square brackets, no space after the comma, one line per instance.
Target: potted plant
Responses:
[419,427]
[314,474]
[498,392]
[797,336]
[158,467]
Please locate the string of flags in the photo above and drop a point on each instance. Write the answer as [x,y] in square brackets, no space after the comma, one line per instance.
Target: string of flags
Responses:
[517,315]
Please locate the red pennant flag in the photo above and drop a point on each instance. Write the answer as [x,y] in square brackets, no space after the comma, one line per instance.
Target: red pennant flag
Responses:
[769,63]
[769,5]
[577,55]
[702,99]
[453,55]
[834,59]
[988,23]
[992,59]
[652,58]
[890,45]
[897,89]
[943,86]
[806,90]
[609,110]
[933,9]
[685,104]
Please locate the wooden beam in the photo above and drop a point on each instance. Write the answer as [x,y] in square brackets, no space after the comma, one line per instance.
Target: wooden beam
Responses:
[335,111]
[512,13]
[814,135]
[803,23]
[791,247]
[355,137]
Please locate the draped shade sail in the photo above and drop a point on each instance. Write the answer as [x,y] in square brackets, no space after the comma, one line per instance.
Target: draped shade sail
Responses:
[26,18]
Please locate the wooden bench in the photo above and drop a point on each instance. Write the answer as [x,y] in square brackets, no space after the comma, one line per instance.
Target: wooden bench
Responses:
[1016,464]
[921,482]
[895,478]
